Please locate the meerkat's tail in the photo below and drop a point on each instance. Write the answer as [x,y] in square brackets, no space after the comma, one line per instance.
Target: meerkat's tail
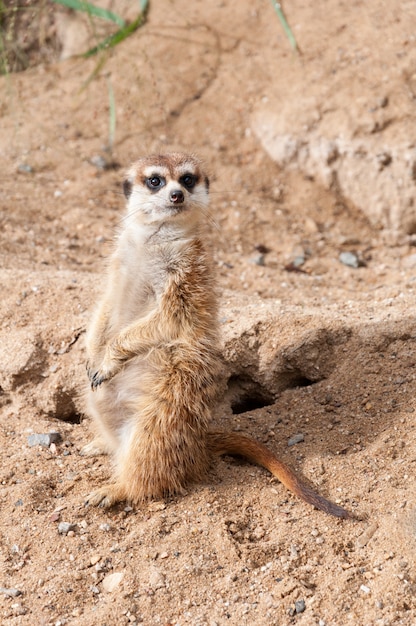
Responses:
[235,444]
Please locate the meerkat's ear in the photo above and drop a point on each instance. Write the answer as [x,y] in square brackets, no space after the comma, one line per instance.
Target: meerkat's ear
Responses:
[207,182]
[127,187]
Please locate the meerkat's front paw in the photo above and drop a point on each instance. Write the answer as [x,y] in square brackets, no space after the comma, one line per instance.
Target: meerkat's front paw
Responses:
[94,374]
[106,496]
[108,369]
[105,372]
[97,378]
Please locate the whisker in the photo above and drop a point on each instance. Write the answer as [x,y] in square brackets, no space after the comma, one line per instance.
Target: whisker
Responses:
[222,191]
[130,214]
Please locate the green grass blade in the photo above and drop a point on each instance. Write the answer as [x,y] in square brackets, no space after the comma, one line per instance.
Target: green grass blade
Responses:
[91,9]
[285,25]
[95,72]
[119,36]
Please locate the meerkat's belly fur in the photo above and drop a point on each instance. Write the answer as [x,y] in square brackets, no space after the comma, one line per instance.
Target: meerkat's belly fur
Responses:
[152,346]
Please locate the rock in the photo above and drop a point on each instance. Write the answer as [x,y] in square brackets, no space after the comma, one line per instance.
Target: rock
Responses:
[95,558]
[65,527]
[298,261]
[45,440]
[112,581]
[11,593]
[25,168]
[296,439]
[375,175]
[258,260]
[350,259]
[156,506]
[156,579]
[300,606]
[99,162]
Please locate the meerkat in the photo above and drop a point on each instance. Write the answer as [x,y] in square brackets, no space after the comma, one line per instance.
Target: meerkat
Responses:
[153,346]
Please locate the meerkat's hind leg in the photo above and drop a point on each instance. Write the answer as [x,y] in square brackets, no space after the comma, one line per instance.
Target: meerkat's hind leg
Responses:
[106,496]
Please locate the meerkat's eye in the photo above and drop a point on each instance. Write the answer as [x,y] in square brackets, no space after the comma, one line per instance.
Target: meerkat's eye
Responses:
[155,182]
[189,181]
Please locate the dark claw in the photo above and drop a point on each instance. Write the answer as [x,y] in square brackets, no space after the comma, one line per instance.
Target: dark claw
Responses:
[96,380]
[90,371]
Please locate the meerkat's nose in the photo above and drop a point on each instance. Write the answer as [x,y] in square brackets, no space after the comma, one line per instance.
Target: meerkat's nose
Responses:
[176,196]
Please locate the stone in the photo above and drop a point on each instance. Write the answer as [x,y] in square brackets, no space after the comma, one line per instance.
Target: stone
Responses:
[112,581]
[45,440]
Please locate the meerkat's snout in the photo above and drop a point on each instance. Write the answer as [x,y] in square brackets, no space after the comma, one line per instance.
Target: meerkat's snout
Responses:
[176,196]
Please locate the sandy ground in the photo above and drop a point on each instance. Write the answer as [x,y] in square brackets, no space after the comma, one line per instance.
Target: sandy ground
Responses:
[327,352]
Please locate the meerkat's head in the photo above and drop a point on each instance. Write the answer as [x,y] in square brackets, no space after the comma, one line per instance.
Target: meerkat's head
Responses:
[166,188]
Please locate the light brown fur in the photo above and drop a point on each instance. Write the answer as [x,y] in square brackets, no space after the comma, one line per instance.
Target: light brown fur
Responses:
[153,346]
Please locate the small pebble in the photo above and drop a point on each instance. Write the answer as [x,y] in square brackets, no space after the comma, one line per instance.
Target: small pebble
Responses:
[156,506]
[94,559]
[112,581]
[12,593]
[258,260]
[300,606]
[45,440]
[296,439]
[99,162]
[350,259]
[156,579]
[65,527]
[365,589]
[298,261]
[25,168]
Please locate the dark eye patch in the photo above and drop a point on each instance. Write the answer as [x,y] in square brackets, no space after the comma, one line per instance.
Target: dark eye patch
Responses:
[188,181]
[155,182]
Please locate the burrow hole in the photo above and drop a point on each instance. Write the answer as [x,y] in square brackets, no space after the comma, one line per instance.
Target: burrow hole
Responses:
[245,394]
